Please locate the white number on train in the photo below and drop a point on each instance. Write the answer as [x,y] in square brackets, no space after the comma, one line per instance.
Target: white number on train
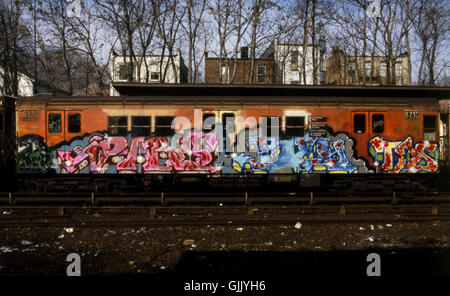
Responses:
[412,115]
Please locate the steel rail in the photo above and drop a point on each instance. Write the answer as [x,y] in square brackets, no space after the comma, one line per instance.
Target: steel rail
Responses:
[242,198]
[221,222]
[80,217]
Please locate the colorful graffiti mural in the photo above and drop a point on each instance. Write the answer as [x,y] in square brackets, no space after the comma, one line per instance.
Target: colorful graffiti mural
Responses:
[32,155]
[196,151]
[302,154]
[199,151]
[403,157]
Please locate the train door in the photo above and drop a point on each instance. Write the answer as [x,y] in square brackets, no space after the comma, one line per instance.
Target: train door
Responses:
[55,127]
[360,132]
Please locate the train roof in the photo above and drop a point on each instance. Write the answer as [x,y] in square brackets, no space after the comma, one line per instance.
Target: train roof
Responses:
[248,94]
[145,89]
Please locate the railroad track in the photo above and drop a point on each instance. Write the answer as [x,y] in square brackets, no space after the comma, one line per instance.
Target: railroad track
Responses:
[245,198]
[202,216]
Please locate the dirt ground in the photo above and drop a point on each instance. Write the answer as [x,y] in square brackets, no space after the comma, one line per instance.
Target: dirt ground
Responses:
[227,248]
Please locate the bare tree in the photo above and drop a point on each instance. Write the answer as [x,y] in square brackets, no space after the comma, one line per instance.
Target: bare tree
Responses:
[195,10]
[57,24]
[221,15]
[13,52]
[168,24]
[240,19]
[259,33]
[123,18]
[86,39]
[432,30]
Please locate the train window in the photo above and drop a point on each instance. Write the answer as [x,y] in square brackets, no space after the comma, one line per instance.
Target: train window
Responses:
[228,131]
[208,126]
[74,123]
[359,123]
[117,126]
[163,126]
[230,127]
[429,128]
[377,123]
[295,126]
[269,123]
[141,126]
[54,123]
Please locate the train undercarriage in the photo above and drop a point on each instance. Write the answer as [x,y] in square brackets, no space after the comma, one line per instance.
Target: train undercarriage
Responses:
[339,185]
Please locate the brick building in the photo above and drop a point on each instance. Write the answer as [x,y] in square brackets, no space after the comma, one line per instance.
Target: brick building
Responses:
[237,71]
[344,69]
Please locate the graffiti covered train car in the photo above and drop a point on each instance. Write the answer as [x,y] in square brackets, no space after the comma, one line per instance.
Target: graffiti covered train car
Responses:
[336,138]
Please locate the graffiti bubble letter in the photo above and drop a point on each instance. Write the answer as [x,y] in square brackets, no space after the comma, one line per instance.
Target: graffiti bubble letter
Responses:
[74,9]
[374,9]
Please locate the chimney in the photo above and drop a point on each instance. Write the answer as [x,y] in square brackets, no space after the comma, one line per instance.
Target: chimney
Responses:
[244,52]
[206,54]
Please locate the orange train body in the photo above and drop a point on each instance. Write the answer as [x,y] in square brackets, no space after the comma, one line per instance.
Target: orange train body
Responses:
[378,137]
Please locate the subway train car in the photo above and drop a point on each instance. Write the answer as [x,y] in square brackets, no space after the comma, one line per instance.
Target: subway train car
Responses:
[205,137]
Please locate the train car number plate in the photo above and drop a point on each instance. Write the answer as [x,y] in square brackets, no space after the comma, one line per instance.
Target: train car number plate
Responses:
[412,115]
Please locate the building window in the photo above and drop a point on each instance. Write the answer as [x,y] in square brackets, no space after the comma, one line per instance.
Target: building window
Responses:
[208,119]
[359,123]
[141,126]
[124,73]
[295,126]
[322,61]
[154,76]
[378,123]
[163,126]
[269,123]
[368,67]
[74,123]
[351,67]
[294,60]
[224,74]
[54,123]
[398,70]
[429,128]
[383,69]
[261,74]
[117,126]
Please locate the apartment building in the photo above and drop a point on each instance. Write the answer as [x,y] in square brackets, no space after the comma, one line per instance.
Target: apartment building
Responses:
[344,69]
[292,66]
[237,71]
[147,69]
